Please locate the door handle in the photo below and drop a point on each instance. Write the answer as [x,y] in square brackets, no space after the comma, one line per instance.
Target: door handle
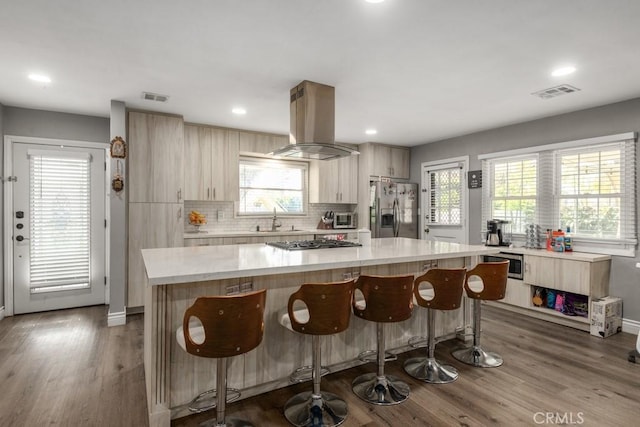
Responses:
[21,238]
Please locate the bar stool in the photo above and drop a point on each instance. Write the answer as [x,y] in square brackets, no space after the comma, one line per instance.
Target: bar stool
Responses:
[387,299]
[328,310]
[446,295]
[493,276]
[231,325]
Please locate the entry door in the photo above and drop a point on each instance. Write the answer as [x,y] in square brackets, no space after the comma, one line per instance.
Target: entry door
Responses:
[58,227]
[444,201]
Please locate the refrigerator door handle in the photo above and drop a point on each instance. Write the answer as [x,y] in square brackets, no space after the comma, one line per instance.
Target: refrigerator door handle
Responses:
[396,218]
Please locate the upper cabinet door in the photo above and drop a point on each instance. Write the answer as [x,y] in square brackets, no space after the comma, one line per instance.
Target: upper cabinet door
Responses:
[197,156]
[156,163]
[334,181]
[390,161]
[212,163]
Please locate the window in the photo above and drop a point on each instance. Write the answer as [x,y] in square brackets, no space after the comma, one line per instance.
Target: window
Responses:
[586,185]
[589,191]
[266,185]
[445,196]
[513,191]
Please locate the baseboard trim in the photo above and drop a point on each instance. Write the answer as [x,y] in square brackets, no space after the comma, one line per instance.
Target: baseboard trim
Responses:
[631,326]
[117,319]
[2,312]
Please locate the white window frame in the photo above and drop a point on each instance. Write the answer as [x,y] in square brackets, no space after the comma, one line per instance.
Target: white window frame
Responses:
[548,205]
[304,166]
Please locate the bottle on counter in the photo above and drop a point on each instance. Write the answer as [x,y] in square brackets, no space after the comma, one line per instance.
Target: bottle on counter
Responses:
[559,241]
[568,241]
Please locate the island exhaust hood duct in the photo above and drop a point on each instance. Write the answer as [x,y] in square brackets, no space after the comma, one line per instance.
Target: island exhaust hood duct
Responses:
[312,125]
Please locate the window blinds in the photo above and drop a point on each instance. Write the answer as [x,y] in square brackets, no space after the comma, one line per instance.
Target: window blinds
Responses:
[60,207]
[588,187]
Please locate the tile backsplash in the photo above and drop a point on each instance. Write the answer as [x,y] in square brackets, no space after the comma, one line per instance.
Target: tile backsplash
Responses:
[220,217]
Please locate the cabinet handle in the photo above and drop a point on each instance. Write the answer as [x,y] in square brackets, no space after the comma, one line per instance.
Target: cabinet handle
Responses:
[179,194]
[208,193]
[214,193]
[340,196]
[179,213]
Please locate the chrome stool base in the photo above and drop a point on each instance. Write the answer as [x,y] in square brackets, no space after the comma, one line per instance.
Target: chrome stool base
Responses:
[203,401]
[305,373]
[308,410]
[386,390]
[476,356]
[371,356]
[430,370]
[228,422]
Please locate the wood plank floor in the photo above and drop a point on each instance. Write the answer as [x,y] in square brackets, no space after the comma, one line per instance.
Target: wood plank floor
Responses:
[67,368]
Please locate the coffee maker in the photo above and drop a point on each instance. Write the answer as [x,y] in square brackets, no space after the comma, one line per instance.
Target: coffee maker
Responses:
[497,235]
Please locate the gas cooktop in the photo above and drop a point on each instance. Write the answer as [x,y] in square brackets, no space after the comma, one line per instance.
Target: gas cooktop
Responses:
[300,245]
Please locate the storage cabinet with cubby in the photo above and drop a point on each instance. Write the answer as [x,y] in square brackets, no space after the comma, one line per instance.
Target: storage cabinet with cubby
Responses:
[577,277]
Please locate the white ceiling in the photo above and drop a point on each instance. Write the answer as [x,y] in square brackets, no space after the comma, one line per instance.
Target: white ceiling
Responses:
[416,70]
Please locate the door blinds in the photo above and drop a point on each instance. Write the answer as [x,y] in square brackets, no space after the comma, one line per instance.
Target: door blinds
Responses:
[60,233]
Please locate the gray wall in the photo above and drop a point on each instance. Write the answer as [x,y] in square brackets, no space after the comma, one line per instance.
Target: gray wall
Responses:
[610,119]
[47,124]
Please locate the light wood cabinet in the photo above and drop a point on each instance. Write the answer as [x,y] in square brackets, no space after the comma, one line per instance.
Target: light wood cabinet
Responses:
[155,155]
[261,143]
[151,225]
[390,161]
[334,181]
[211,158]
[585,277]
[579,277]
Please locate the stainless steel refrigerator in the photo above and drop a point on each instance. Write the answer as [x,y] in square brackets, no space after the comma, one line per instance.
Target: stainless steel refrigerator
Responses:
[393,209]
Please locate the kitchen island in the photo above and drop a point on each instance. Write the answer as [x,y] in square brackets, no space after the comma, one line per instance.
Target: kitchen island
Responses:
[177,276]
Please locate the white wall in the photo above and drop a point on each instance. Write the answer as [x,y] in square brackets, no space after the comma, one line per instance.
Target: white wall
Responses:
[610,119]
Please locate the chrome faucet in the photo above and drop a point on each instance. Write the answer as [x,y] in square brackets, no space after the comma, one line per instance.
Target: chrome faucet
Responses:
[275,224]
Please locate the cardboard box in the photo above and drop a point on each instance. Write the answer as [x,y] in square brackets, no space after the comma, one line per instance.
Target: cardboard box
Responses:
[606,316]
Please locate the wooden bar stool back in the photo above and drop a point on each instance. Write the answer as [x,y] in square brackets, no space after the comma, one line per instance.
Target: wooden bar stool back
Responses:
[493,276]
[446,294]
[327,311]
[387,299]
[230,326]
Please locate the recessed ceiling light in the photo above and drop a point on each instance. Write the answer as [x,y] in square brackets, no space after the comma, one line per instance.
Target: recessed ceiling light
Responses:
[239,111]
[39,78]
[563,71]
[370,131]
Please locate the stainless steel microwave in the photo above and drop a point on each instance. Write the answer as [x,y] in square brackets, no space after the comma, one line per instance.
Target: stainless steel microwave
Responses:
[344,220]
[516,263]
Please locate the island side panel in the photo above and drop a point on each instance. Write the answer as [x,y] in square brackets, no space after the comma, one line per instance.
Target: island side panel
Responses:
[157,355]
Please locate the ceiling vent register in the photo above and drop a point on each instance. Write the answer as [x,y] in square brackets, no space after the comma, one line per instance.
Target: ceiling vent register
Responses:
[552,92]
[154,97]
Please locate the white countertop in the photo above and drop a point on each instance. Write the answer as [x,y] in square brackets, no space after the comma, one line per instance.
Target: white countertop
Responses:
[206,234]
[199,263]
[572,255]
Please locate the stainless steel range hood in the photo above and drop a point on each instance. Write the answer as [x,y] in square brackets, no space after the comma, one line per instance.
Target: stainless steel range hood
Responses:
[312,124]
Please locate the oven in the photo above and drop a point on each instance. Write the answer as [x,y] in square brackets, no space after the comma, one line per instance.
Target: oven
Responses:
[516,263]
